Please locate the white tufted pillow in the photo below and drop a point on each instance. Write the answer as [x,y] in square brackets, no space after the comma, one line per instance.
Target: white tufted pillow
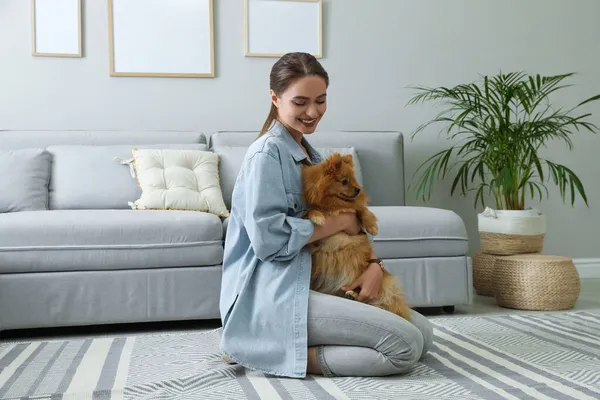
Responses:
[179,180]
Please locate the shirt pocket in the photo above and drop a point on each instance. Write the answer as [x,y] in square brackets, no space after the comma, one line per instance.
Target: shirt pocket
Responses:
[296,204]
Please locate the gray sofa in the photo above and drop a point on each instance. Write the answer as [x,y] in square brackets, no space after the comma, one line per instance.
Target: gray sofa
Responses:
[73,252]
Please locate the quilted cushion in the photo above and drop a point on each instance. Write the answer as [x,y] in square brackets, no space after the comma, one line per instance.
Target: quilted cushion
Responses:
[179,180]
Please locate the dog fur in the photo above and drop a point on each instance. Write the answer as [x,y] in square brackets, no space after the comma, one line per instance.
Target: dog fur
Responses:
[330,188]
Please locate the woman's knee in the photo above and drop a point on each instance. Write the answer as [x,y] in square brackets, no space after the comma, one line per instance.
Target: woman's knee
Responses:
[406,347]
[426,329]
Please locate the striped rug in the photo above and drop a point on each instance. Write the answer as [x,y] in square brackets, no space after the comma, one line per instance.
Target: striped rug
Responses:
[520,356]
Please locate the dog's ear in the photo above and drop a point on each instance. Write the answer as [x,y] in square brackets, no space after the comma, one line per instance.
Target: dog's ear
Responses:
[347,158]
[334,163]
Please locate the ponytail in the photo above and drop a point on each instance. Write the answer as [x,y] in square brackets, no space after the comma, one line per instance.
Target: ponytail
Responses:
[269,121]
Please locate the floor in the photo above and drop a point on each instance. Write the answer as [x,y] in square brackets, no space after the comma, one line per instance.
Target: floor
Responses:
[589,298]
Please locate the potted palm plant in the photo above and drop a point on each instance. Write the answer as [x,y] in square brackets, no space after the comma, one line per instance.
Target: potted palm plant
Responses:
[498,126]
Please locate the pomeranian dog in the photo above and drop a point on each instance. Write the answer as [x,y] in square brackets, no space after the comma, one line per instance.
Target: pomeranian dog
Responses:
[330,188]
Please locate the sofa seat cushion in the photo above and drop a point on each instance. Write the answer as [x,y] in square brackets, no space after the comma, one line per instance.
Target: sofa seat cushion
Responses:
[87,240]
[408,232]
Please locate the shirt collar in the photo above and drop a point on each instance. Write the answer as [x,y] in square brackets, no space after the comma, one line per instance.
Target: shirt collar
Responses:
[293,146]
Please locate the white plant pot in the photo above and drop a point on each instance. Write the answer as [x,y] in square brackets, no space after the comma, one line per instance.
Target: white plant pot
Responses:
[507,232]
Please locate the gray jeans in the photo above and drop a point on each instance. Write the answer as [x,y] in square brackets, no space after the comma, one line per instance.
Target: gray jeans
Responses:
[357,339]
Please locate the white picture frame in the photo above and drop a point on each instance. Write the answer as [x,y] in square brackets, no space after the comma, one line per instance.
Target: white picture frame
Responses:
[161,38]
[267,26]
[56,28]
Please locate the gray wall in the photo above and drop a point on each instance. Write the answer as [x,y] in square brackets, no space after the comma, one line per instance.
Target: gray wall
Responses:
[373,50]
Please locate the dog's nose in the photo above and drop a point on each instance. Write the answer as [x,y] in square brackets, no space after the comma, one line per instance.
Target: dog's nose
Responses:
[356,191]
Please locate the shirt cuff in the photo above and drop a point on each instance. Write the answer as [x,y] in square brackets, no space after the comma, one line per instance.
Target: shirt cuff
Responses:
[302,231]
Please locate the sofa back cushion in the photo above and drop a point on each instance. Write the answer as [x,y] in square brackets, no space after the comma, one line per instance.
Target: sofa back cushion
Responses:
[19,139]
[380,154]
[24,177]
[232,157]
[89,177]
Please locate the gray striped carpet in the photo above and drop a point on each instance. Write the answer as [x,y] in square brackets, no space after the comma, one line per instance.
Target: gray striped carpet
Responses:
[533,356]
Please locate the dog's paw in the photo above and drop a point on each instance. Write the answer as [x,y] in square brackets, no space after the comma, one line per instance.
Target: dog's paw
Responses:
[351,295]
[369,221]
[316,217]
[372,229]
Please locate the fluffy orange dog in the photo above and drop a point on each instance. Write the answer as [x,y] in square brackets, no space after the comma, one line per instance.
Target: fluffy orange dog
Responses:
[330,188]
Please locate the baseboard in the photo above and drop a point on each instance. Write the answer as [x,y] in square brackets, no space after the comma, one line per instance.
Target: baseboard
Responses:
[587,267]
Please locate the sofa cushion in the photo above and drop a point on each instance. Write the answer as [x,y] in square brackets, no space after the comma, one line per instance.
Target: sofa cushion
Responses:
[409,232]
[381,157]
[88,177]
[415,232]
[230,162]
[20,139]
[179,180]
[24,179]
[87,240]
[232,157]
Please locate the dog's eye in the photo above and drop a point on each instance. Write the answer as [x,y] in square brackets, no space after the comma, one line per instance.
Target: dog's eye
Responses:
[344,181]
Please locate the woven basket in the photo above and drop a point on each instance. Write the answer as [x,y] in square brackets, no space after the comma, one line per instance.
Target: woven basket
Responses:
[483,268]
[535,282]
[510,244]
[509,232]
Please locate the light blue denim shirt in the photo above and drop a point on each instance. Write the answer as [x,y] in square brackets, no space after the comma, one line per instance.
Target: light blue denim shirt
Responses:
[266,266]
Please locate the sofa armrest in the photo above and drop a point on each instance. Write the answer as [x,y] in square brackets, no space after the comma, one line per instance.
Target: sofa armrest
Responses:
[409,232]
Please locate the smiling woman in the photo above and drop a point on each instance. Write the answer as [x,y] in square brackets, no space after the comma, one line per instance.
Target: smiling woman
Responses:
[272,321]
[299,104]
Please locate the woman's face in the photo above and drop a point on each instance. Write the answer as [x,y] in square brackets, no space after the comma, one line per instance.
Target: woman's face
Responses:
[302,105]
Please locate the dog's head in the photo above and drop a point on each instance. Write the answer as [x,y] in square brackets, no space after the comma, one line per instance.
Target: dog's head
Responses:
[332,183]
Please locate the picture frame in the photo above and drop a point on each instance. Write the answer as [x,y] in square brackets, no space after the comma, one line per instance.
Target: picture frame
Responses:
[266,22]
[56,34]
[161,38]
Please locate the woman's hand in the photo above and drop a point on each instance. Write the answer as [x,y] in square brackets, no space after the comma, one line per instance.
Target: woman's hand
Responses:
[369,283]
[351,223]
[345,222]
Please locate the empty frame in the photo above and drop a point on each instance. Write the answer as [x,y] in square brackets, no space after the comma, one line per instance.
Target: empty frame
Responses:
[56,28]
[161,38]
[275,27]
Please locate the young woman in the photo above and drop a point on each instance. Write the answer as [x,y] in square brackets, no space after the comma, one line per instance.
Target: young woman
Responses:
[272,321]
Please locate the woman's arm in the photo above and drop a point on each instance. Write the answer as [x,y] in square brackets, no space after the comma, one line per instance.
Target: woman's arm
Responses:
[262,203]
[344,222]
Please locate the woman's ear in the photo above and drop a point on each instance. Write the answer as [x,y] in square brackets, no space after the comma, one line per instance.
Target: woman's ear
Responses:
[274,99]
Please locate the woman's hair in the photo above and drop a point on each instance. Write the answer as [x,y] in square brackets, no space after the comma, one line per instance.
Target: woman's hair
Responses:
[289,68]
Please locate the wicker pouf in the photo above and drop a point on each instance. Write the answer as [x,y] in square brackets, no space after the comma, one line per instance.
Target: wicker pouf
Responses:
[535,282]
[505,244]
[483,268]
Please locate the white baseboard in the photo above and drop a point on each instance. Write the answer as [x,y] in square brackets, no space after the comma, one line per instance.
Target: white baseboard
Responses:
[587,267]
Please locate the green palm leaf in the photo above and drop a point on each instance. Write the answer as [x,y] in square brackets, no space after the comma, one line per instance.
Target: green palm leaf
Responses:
[498,125]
